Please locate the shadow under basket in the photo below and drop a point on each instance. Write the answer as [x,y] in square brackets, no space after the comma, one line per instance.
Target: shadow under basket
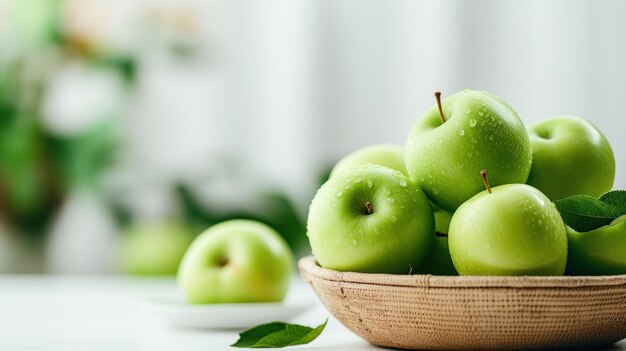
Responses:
[473,313]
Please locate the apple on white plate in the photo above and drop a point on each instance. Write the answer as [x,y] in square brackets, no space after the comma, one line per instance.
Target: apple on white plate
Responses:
[236,261]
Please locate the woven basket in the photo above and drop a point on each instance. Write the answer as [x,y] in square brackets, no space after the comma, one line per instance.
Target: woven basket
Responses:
[473,313]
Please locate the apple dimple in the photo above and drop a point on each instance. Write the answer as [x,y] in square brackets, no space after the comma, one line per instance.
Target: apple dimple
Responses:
[222,262]
[368,208]
[544,134]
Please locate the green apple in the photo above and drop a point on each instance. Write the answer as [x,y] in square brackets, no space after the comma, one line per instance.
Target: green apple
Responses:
[570,157]
[236,261]
[473,130]
[438,260]
[388,155]
[370,219]
[154,248]
[512,229]
[442,221]
[598,252]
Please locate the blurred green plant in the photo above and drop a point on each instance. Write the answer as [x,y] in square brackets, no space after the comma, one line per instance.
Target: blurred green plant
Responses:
[29,191]
[39,168]
[83,158]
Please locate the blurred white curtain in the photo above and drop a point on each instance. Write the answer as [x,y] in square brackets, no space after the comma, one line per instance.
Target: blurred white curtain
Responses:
[291,86]
[237,117]
[272,105]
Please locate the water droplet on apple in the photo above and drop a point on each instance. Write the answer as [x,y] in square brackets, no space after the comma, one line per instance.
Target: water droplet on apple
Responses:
[491,137]
[460,164]
[339,193]
[461,132]
[402,182]
[387,191]
[369,184]
[358,180]
[354,242]
[481,113]
[472,123]
[391,200]
[436,191]
[394,218]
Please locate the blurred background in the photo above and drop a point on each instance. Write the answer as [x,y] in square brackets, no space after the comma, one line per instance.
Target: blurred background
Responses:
[127,127]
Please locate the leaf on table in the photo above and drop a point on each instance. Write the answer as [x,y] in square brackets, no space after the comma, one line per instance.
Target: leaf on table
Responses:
[278,334]
[584,213]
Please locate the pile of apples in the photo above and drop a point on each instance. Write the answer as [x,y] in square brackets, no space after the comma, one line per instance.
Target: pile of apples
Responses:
[470,193]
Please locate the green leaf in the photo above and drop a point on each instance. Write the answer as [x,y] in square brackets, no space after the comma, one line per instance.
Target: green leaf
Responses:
[617,199]
[584,213]
[278,334]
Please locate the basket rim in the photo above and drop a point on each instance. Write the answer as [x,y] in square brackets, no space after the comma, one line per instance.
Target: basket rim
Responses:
[309,266]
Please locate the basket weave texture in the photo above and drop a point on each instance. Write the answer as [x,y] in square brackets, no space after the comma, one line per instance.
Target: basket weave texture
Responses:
[473,313]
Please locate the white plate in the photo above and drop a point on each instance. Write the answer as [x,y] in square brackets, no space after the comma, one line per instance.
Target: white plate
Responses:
[226,316]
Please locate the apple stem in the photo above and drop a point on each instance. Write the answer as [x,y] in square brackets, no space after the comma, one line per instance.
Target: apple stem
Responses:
[440,234]
[368,208]
[438,98]
[483,174]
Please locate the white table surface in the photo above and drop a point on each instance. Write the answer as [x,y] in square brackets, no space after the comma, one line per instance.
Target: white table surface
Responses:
[109,313]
